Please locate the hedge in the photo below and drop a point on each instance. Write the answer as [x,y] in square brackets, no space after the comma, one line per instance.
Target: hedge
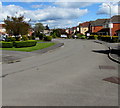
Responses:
[10,39]
[107,38]
[91,37]
[27,43]
[6,44]
[48,38]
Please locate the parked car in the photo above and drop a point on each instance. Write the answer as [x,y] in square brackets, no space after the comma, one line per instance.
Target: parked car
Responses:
[3,37]
[63,36]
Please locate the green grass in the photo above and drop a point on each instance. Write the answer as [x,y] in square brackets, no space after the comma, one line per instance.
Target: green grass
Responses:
[39,40]
[30,49]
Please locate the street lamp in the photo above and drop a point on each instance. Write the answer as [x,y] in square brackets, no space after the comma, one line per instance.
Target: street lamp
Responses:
[110,23]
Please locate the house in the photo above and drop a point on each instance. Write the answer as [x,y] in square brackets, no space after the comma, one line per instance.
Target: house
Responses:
[78,29]
[115,26]
[2,29]
[46,30]
[97,25]
[84,27]
[118,32]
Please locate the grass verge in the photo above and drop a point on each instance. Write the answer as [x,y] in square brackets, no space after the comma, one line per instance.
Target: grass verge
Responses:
[30,49]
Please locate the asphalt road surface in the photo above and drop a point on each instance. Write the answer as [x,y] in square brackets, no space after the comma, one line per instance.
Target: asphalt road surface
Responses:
[68,76]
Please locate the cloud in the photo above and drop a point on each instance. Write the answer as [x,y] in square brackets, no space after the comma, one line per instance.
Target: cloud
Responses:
[52,15]
[73,4]
[61,23]
[0,6]
[105,8]
[39,6]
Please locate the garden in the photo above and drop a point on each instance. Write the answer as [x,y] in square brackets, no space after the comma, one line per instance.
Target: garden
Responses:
[24,44]
[105,38]
[17,38]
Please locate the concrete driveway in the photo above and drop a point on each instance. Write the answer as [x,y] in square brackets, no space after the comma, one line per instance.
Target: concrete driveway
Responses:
[68,76]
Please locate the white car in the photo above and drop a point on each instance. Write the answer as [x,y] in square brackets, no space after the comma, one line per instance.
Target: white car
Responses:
[63,36]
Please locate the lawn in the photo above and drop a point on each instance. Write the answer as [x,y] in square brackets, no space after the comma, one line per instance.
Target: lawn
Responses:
[30,49]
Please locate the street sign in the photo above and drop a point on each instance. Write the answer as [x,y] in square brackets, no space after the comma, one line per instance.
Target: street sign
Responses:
[111,25]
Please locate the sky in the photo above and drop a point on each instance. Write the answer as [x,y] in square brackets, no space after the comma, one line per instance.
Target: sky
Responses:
[58,14]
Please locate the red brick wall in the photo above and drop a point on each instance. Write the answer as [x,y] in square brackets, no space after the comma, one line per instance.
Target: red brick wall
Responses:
[96,28]
[116,26]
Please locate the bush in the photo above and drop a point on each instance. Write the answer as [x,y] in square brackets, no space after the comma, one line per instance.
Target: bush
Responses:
[41,36]
[24,38]
[10,39]
[17,38]
[107,38]
[115,39]
[96,37]
[48,38]
[27,43]
[31,37]
[6,44]
[80,35]
[91,37]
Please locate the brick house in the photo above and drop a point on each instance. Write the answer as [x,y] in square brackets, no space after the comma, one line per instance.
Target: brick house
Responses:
[115,23]
[97,25]
[118,32]
[2,29]
[84,27]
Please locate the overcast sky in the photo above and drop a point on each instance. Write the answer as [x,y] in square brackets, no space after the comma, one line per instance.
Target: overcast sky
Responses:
[58,14]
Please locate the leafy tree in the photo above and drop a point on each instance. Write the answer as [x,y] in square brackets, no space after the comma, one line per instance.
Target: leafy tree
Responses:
[39,27]
[56,33]
[16,25]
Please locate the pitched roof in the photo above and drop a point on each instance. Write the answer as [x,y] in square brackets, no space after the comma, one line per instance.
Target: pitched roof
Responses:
[116,19]
[99,22]
[85,24]
[117,30]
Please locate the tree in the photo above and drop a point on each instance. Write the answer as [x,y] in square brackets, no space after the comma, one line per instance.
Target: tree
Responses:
[16,25]
[39,27]
[56,33]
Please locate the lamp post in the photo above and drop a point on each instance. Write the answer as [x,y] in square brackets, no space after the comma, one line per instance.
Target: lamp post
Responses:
[110,23]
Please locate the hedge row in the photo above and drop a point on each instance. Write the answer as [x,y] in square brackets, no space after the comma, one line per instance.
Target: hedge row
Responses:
[106,38]
[18,44]
[48,38]
[6,44]
[27,43]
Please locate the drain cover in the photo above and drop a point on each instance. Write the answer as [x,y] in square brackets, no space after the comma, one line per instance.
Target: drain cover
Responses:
[106,67]
[115,80]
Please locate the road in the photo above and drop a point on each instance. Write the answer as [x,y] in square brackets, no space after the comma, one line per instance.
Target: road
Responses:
[67,76]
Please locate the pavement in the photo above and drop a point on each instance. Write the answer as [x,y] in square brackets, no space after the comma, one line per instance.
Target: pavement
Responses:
[114,50]
[16,56]
[69,76]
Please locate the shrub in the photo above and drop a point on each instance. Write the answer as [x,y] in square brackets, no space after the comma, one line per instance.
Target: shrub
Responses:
[107,38]
[96,37]
[10,39]
[48,38]
[115,39]
[24,38]
[6,44]
[31,37]
[80,35]
[41,36]
[17,38]
[91,37]
[27,43]
[54,35]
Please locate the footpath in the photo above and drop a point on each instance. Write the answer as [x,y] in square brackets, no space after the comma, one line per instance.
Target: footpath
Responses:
[16,56]
[114,50]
